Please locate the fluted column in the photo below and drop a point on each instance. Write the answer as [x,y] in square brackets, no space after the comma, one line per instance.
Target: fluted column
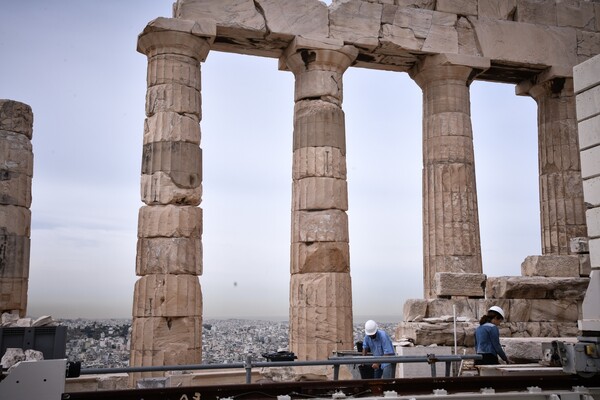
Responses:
[167,306]
[450,217]
[320,285]
[16,172]
[562,208]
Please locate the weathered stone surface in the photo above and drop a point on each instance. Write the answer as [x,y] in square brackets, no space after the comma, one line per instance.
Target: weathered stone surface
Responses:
[462,7]
[467,41]
[169,221]
[536,12]
[173,69]
[443,333]
[15,189]
[497,9]
[550,266]
[160,189]
[585,264]
[320,314]
[323,161]
[457,284]
[171,126]
[414,309]
[320,226]
[588,45]
[158,333]
[167,295]
[16,117]
[232,16]
[355,21]
[535,287]
[291,18]
[176,255]
[319,124]
[17,154]
[466,308]
[174,98]
[14,257]
[13,295]
[181,161]
[171,354]
[320,257]
[15,220]
[578,14]
[579,245]
[318,193]
[527,349]
[585,76]
[537,43]
[12,356]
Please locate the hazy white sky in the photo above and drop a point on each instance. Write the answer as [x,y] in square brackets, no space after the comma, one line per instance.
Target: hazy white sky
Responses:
[74,62]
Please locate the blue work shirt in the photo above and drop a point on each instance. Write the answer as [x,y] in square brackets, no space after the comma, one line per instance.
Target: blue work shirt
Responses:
[379,346]
[487,340]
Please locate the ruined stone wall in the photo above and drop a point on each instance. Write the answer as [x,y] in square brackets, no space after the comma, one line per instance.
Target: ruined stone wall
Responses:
[16,172]
[444,45]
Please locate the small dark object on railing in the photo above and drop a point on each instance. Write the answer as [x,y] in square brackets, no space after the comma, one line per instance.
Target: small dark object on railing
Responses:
[280,356]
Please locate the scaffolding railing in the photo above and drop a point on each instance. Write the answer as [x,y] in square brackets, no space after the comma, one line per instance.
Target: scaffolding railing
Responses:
[335,361]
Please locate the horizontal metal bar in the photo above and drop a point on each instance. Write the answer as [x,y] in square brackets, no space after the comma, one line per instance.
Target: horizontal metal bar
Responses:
[336,360]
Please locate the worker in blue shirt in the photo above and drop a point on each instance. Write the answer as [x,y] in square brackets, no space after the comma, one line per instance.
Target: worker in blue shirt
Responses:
[378,343]
[487,337]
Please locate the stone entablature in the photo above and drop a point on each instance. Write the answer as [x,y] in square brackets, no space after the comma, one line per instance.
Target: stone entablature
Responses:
[521,38]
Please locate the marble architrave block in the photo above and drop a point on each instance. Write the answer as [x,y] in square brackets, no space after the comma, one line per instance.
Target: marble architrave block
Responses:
[307,19]
[319,123]
[551,266]
[16,117]
[329,225]
[15,189]
[356,21]
[459,284]
[17,151]
[157,333]
[173,97]
[323,161]
[318,193]
[320,257]
[170,221]
[169,126]
[15,220]
[14,258]
[535,287]
[167,295]
[159,189]
[173,255]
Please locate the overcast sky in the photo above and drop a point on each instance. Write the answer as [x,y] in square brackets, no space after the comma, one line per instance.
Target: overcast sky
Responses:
[74,62]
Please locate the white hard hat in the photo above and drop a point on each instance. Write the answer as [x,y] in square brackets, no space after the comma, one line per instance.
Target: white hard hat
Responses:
[498,310]
[370,327]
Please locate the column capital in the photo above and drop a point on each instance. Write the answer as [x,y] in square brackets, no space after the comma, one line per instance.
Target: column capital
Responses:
[448,66]
[177,36]
[308,54]
[551,80]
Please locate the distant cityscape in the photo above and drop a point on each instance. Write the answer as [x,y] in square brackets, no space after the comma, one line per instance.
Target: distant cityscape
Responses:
[106,343]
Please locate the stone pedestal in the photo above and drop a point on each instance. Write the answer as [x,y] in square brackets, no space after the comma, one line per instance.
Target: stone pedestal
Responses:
[320,287]
[167,307]
[450,218]
[16,173]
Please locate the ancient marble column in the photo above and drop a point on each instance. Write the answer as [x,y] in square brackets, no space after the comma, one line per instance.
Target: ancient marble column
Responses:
[450,217]
[167,306]
[320,285]
[16,172]
[562,208]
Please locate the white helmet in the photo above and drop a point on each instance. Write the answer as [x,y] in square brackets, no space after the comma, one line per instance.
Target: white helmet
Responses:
[498,310]
[370,327]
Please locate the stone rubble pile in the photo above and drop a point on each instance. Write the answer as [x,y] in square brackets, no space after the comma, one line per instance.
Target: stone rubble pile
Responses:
[544,302]
[13,355]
